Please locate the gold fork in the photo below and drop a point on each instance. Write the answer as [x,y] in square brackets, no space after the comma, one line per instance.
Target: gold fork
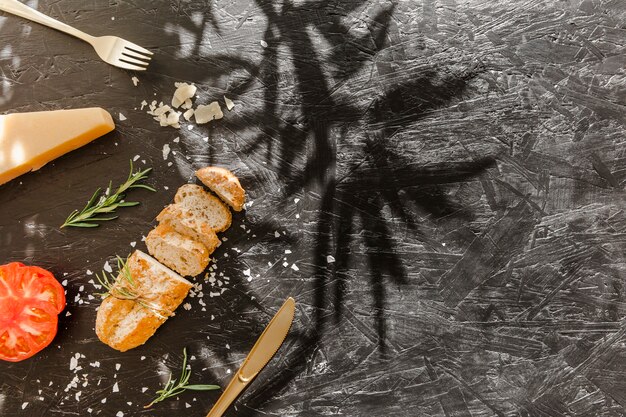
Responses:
[111,49]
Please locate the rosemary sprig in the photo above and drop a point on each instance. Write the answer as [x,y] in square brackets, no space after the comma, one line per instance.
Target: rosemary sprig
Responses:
[173,388]
[99,207]
[125,289]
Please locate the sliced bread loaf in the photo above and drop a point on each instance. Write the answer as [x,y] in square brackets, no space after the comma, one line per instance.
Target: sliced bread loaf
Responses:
[225,184]
[184,222]
[182,253]
[205,206]
[127,323]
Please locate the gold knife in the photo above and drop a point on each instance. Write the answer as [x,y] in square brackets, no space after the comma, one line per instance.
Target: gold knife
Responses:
[263,350]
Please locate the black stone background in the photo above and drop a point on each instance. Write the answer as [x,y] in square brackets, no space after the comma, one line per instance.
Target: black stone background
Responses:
[462,161]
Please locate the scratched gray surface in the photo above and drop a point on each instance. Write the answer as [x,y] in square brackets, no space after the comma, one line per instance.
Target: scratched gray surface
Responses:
[462,163]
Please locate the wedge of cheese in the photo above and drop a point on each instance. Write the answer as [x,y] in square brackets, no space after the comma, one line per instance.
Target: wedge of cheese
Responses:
[28,141]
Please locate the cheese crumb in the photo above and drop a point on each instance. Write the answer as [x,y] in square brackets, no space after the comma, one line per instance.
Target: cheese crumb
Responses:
[205,114]
[183,93]
[166,151]
[229,103]
[188,114]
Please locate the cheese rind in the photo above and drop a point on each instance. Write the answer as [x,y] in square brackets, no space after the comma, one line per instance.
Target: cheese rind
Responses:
[28,141]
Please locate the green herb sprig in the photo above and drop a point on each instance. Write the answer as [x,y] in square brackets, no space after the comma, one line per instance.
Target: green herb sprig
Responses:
[125,289]
[173,388]
[99,207]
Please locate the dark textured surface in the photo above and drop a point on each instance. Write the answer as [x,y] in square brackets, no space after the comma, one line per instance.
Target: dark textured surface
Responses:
[462,162]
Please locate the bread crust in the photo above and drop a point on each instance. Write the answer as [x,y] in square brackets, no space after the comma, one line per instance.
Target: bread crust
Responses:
[125,324]
[225,184]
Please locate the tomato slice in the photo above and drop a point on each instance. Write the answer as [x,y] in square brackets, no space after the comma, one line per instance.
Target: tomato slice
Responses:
[30,300]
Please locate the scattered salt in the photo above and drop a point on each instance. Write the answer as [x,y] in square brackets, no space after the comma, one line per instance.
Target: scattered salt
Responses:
[295,267]
[135,81]
[122,117]
[330,259]
[264,44]
[166,151]
[116,387]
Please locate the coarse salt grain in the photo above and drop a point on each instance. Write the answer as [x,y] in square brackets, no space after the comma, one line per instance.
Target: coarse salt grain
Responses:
[116,388]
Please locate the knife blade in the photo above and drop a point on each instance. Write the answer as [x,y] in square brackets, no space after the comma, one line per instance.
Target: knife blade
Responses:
[262,352]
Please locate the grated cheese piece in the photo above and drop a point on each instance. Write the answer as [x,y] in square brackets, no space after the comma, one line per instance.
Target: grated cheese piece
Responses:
[205,114]
[229,103]
[183,93]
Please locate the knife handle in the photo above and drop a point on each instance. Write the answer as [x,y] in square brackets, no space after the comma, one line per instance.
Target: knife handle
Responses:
[230,394]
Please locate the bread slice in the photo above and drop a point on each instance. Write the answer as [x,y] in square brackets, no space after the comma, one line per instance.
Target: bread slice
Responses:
[124,324]
[205,206]
[225,184]
[185,223]
[179,252]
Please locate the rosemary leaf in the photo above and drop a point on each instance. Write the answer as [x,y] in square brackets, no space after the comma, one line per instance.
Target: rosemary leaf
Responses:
[106,202]
[173,388]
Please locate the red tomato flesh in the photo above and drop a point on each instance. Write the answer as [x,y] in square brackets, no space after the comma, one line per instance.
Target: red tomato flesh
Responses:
[30,300]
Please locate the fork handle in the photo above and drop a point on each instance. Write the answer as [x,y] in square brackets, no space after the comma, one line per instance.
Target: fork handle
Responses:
[20,9]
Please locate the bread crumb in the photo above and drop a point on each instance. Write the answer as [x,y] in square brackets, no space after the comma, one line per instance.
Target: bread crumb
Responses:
[188,114]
